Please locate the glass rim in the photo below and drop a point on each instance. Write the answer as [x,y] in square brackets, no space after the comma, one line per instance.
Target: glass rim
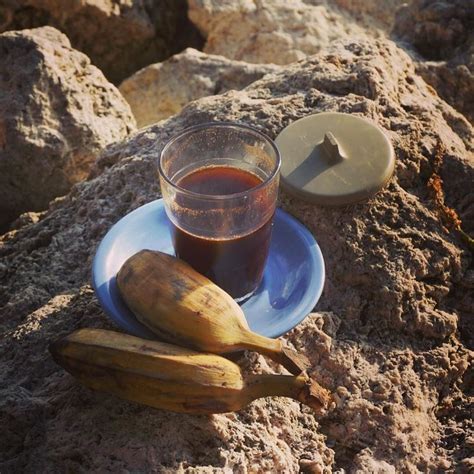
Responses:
[220,197]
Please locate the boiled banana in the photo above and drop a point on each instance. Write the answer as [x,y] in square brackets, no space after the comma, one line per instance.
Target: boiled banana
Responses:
[164,376]
[183,307]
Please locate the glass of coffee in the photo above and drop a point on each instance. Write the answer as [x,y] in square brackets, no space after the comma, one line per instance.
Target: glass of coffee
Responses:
[220,184]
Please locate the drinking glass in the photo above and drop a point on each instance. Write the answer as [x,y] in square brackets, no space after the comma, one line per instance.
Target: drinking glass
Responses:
[220,184]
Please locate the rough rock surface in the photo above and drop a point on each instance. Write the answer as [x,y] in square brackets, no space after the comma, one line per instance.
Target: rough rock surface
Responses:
[262,31]
[57,112]
[120,36]
[443,33]
[389,338]
[160,90]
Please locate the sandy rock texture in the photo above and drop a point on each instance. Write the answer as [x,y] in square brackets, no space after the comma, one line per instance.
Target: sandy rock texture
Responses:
[160,90]
[391,333]
[120,36]
[57,112]
[442,32]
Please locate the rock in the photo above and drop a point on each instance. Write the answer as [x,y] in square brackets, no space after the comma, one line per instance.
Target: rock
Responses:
[371,10]
[281,32]
[442,32]
[26,218]
[57,112]
[453,80]
[437,29]
[278,32]
[160,90]
[120,36]
[385,340]
[365,462]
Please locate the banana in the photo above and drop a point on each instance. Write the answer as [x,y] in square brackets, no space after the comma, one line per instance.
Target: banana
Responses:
[183,307]
[169,377]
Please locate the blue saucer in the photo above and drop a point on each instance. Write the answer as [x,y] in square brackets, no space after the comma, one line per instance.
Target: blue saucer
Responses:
[292,283]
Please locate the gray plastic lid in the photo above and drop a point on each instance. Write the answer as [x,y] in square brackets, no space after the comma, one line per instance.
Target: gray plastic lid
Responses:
[333,159]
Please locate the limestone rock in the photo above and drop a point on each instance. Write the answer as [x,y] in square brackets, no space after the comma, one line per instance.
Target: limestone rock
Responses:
[388,338]
[160,90]
[57,112]
[262,31]
[442,32]
[120,36]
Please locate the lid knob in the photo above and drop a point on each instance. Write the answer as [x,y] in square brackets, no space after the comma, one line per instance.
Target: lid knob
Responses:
[331,148]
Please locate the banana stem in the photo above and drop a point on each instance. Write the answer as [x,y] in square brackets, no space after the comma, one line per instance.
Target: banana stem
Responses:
[271,385]
[300,388]
[295,363]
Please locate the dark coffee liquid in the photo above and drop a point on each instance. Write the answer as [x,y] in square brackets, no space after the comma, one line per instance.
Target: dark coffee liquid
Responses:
[235,264]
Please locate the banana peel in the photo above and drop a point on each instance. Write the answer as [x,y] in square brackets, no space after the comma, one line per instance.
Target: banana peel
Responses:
[169,377]
[183,307]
